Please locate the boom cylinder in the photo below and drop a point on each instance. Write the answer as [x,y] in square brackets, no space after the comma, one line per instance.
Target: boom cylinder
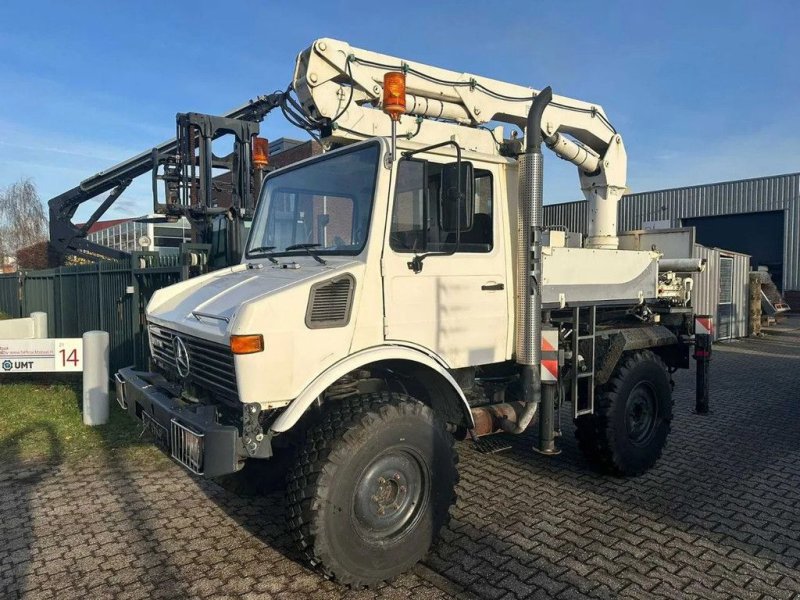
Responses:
[584,158]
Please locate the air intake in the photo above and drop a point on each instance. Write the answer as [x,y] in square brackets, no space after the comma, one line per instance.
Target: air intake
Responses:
[330,303]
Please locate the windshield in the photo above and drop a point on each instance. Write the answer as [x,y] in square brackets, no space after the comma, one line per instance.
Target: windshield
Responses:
[324,205]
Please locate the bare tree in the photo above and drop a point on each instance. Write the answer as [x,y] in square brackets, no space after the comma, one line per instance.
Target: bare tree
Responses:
[23,221]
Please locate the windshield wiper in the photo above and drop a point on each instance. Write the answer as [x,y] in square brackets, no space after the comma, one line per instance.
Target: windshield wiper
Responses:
[307,248]
[264,251]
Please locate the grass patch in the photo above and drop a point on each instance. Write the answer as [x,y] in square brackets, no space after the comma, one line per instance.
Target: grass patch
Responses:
[40,419]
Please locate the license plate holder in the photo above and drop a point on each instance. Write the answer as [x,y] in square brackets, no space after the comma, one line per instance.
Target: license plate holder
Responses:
[156,431]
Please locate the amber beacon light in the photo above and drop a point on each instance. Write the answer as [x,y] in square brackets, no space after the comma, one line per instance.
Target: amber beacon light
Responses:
[394,94]
[247,344]
[260,152]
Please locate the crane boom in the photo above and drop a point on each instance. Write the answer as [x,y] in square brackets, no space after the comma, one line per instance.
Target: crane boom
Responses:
[343,85]
[67,237]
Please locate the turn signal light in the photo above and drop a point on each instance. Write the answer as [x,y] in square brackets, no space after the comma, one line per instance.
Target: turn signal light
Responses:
[394,94]
[247,344]
[260,152]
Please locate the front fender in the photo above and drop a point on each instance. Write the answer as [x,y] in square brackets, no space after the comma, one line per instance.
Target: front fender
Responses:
[299,405]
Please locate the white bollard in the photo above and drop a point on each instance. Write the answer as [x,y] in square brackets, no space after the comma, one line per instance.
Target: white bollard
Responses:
[39,325]
[95,377]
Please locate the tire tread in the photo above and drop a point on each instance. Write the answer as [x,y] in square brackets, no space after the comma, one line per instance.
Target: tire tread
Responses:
[343,424]
[595,434]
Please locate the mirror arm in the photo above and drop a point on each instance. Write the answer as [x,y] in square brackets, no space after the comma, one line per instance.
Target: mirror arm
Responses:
[415,264]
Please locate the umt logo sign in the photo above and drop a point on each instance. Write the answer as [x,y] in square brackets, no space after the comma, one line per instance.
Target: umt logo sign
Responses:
[41,355]
[17,364]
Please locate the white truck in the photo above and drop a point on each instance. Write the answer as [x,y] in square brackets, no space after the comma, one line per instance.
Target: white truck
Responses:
[399,292]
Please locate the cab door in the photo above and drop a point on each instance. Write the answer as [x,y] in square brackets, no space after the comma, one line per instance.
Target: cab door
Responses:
[457,304]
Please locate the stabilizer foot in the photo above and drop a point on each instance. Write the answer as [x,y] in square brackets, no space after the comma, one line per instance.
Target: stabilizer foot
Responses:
[547,451]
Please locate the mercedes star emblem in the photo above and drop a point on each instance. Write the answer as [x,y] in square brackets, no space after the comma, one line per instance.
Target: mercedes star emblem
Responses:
[181,356]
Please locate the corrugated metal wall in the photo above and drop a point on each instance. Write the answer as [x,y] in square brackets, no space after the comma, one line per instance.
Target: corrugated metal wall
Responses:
[779,192]
[706,293]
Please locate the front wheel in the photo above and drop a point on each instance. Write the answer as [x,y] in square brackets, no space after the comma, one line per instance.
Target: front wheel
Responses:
[372,487]
[632,417]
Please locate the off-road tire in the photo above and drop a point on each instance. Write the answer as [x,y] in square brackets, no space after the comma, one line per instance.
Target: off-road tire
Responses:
[607,438]
[330,488]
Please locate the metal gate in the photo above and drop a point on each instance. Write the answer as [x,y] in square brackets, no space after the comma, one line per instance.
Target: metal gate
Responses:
[725,307]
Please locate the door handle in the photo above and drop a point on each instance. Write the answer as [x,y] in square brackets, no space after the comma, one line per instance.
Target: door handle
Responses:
[492,287]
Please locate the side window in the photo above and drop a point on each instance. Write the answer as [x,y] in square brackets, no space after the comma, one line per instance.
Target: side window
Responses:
[409,215]
[415,223]
[482,231]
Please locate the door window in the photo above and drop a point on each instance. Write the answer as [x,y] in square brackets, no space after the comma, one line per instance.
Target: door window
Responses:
[416,216]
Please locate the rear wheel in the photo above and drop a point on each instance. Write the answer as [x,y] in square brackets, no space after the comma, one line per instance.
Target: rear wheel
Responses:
[372,487]
[633,412]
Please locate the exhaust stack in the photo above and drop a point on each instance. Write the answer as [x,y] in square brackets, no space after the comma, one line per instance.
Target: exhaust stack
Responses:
[529,266]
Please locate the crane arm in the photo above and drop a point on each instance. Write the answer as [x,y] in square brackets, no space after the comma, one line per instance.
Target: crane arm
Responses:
[342,85]
[66,237]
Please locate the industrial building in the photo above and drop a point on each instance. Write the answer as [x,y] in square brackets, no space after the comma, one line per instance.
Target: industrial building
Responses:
[757,217]
[131,235]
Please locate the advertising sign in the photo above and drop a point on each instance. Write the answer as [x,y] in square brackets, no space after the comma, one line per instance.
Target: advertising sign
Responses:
[41,356]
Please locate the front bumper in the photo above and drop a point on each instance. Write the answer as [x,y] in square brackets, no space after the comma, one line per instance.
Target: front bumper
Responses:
[189,433]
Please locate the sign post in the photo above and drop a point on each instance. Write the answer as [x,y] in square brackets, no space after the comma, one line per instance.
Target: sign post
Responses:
[703,335]
[95,378]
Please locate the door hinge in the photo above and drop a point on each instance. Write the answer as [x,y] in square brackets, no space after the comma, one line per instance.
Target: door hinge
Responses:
[385,326]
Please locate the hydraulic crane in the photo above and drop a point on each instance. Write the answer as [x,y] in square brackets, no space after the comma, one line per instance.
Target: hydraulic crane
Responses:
[185,165]
[342,86]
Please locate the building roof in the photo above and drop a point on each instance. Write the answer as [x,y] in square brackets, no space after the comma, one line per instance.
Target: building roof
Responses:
[100,225]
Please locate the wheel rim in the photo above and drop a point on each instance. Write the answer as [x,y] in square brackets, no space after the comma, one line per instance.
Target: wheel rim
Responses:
[641,413]
[391,495]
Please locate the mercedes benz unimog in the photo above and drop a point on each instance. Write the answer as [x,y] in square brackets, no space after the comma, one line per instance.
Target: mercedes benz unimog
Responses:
[400,292]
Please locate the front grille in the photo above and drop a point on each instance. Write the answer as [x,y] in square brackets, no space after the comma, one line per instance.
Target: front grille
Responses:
[187,447]
[210,365]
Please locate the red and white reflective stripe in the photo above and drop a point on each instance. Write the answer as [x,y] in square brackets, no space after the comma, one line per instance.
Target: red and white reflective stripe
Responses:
[704,326]
[549,369]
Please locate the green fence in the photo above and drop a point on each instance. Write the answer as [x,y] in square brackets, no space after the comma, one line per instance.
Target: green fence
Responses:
[109,296]
[9,295]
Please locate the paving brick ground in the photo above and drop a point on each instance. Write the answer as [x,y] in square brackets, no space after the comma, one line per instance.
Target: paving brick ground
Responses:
[719,517]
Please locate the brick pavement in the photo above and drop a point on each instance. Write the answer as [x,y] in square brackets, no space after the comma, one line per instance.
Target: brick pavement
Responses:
[718,517]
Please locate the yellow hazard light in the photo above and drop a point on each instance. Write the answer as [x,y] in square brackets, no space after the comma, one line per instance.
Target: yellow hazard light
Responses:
[247,344]
[394,94]
[260,152]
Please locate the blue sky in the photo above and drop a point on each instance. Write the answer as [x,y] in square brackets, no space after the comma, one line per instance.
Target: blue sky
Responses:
[701,91]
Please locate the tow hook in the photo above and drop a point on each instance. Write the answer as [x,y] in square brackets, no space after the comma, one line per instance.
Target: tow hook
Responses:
[252,433]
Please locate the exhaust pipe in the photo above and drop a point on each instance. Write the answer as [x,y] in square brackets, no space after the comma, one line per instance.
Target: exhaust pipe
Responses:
[682,265]
[529,266]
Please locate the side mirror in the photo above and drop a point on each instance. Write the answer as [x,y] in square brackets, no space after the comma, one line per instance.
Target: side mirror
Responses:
[456,210]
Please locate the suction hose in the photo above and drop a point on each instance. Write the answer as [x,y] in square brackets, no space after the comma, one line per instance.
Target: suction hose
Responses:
[528,273]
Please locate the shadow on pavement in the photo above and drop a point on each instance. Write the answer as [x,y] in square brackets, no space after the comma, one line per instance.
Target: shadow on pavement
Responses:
[18,483]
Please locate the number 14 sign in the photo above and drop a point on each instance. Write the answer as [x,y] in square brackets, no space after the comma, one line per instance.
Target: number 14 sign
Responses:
[38,356]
